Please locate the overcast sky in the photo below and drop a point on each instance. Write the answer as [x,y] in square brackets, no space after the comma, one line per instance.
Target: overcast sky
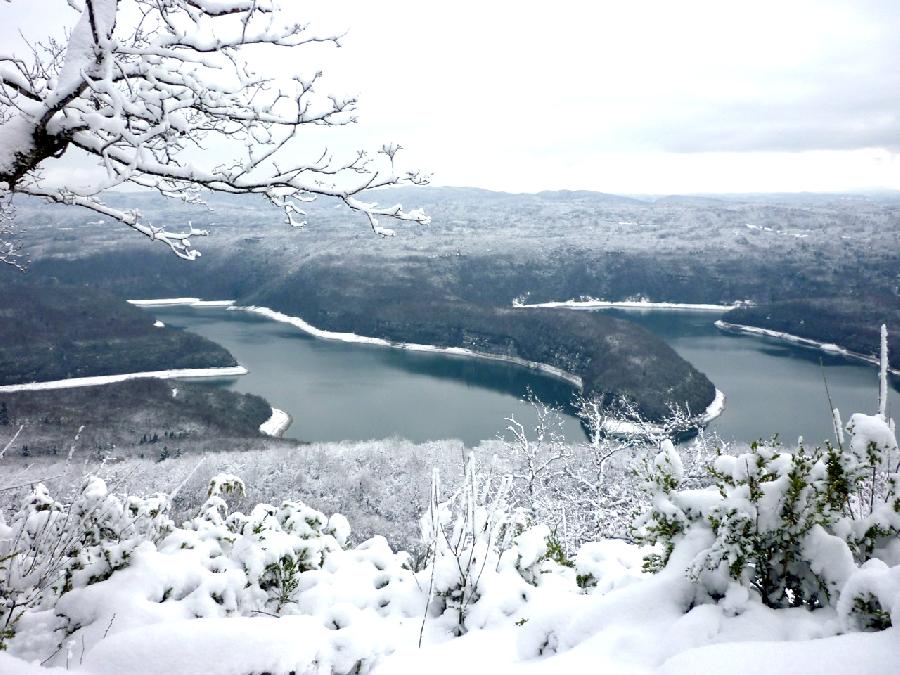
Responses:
[633,97]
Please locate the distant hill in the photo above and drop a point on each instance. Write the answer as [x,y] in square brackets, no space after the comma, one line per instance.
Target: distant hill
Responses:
[138,417]
[612,356]
[482,251]
[58,332]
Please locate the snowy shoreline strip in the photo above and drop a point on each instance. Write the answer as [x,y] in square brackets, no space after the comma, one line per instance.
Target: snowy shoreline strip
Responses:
[827,347]
[297,322]
[714,409]
[628,428]
[192,302]
[277,424]
[632,304]
[230,371]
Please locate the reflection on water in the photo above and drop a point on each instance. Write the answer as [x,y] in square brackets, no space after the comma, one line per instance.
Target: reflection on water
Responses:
[340,391]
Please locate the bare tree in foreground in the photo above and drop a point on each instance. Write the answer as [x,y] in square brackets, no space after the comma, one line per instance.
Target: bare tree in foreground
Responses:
[144,86]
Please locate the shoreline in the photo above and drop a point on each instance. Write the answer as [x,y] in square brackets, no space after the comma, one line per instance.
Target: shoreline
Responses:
[302,325]
[626,428]
[827,347]
[640,305]
[191,302]
[277,424]
[96,380]
[715,408]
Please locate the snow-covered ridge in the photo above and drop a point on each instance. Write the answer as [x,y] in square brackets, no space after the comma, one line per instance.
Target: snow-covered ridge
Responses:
[193,302]
[229,371]
[642,304]
[277,424]
[827,347]
[362,339]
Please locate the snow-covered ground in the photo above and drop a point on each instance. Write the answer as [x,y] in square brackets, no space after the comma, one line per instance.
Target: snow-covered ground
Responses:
[185,605]
[230,371]
[297,322]
[283,588]
[827,347]
[277,424]
[642,304]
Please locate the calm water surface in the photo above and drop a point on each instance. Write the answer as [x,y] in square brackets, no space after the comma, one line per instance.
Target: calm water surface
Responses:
[338,391]
[771,386]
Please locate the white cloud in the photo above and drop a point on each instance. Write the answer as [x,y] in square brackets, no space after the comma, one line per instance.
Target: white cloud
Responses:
[644,96]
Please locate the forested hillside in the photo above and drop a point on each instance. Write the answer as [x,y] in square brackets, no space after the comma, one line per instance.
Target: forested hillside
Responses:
[149,418]
[850,322]
[53,332]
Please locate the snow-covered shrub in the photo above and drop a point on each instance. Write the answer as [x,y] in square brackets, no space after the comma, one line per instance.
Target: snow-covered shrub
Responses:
[791,526]
[485,558]
[536,461]
[665,520]
[870,599]
[865,485]
[50,548]
[124,566]
[585,491]
[465,535]
[273,545]
[603,566]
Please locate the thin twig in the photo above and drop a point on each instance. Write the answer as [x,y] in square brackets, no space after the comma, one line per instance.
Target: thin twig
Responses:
[11,441]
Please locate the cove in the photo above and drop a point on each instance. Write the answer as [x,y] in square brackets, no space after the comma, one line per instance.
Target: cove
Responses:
[342,391]
[347,391]
[772,386]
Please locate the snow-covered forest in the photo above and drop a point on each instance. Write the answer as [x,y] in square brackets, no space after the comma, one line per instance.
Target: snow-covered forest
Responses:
[647,547]
[530,554]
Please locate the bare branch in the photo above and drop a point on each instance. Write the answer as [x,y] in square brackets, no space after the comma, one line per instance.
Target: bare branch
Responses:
[138,97]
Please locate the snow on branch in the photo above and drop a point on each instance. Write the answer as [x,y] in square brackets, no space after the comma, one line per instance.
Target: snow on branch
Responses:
[143,86]
[10,249]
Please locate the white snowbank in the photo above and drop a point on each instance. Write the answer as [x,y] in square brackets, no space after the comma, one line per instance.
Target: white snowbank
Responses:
[193,302]
[714,409]
[9,665]
[828,347]
[859,653]
[277,424]
[297,322]
[109,379]
[642,304]
[235,645]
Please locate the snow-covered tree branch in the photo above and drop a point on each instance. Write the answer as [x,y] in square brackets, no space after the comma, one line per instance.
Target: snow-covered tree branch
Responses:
[146,87]
[10,251]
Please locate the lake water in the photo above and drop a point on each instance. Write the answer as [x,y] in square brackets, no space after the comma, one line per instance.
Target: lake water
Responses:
[336,391]
[772,387]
